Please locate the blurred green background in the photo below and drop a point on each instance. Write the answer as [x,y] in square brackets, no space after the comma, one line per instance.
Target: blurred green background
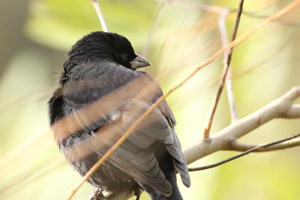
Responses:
[36,35]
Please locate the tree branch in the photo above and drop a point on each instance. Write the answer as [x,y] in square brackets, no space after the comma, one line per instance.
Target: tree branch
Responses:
[97,7]
[269,146]
[228,53]
[219,10]
[238,146]
[224,36]
[294,112]
[280,108]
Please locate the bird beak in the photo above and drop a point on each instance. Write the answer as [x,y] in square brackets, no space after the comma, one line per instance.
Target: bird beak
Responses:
[139,62]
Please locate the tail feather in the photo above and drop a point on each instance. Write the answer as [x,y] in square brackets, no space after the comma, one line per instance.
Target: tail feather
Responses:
[175,190]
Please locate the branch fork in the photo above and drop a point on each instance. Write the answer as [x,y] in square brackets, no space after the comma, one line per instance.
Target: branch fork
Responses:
[226,139]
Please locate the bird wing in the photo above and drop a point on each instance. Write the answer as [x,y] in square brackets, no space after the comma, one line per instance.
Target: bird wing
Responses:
[105,104]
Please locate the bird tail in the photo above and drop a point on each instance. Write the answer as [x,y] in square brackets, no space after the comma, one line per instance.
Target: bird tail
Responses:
[175,190]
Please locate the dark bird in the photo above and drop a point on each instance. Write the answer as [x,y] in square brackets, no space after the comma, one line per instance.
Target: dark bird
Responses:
[100,96]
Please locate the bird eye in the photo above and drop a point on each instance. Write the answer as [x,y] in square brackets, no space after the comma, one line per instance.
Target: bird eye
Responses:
[124,56]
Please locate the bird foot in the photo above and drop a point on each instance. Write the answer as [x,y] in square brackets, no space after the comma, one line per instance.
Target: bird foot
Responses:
[97,194]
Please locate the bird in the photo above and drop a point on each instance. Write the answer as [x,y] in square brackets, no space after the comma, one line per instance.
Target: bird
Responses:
[101,94]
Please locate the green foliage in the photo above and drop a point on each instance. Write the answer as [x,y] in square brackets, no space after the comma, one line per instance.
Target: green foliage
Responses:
[59,24]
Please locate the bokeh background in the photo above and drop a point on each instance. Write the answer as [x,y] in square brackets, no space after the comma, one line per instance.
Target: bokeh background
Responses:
[176,37]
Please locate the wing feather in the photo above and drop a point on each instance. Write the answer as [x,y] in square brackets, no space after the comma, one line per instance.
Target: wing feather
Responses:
[118,103]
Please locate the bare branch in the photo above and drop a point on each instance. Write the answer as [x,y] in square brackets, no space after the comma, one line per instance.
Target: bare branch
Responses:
[223,30]
[253,149]
[294,112]
[230,97]
[225,71]
[279,108]
[219,10]
[97,7]
[238,146]
[224,36]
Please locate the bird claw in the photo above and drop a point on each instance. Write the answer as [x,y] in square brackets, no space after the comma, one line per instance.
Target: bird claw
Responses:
[97,194]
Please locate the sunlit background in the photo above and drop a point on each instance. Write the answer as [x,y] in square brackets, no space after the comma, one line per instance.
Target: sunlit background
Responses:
[176,37]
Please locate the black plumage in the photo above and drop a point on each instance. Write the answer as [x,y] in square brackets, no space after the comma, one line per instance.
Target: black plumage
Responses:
[100,95]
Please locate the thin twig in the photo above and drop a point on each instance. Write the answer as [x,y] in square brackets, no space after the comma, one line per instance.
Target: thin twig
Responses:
[224,36]
[218,10]
[224,74]
[244,153]
[230,97]
[154,25]
[238,146]
[97,7]
[217,54]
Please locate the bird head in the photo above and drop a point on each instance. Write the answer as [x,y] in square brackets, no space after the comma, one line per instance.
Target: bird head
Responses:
[99,45]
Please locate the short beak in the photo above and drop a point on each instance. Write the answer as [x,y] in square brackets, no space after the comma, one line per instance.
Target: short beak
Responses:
[139,62]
